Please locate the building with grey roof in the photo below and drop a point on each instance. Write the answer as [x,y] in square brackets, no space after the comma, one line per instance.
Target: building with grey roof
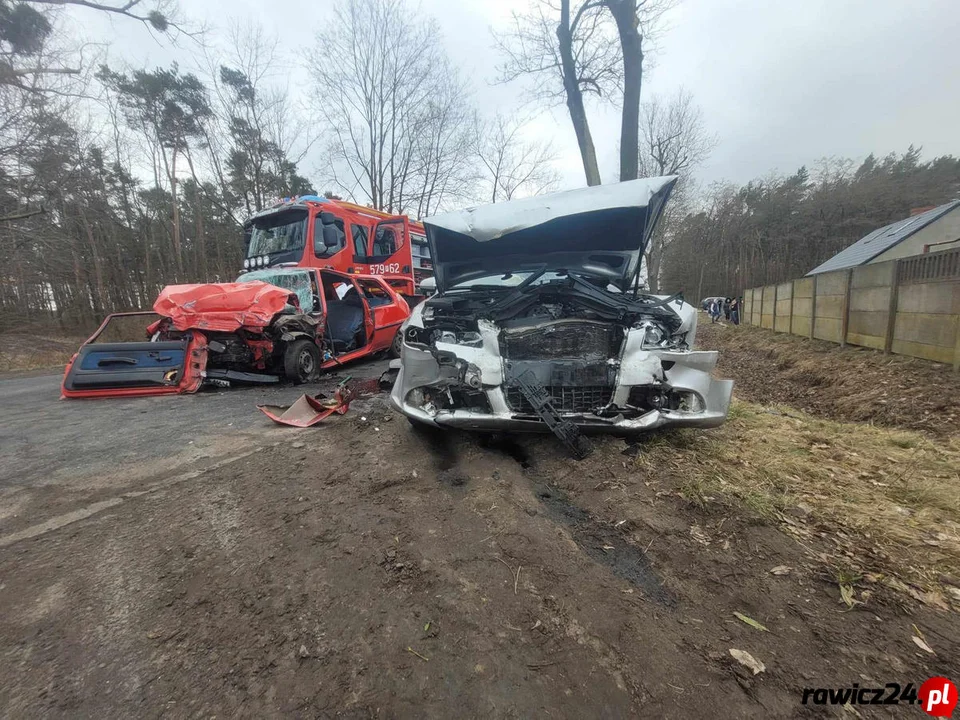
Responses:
[930,231]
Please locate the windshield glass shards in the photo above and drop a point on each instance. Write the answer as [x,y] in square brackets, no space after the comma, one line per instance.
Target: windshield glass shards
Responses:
[296,281]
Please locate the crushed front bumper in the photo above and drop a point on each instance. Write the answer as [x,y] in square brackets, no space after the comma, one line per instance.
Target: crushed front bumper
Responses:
[683,372]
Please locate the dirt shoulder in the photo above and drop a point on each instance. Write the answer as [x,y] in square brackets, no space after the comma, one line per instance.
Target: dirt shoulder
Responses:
[361,569]
[824,379]
[23,354]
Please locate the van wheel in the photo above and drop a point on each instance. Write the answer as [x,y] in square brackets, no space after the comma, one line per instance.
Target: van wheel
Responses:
[301,361]
[397,343]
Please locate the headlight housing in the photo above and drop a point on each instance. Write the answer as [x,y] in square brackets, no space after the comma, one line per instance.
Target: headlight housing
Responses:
[468,338]
[656,337]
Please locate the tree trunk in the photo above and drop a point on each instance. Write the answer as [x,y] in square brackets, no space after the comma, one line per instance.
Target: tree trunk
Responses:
[201,242]
[178,258]
[631,42]
[99,297]
[571,85]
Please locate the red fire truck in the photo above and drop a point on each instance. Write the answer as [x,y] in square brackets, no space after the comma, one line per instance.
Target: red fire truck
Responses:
[313,231]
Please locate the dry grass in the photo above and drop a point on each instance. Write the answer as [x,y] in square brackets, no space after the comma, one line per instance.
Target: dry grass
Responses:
[19,352]
[887,500]
[843,384]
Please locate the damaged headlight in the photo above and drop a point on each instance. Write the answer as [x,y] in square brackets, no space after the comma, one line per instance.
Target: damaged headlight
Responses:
[425,336]
[652,335]
[468,338]
[656,337]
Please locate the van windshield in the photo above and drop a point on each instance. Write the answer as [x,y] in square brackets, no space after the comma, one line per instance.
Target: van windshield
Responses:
[277,232]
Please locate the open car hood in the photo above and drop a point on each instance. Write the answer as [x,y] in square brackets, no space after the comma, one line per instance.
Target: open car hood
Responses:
[600,231]
[222,307]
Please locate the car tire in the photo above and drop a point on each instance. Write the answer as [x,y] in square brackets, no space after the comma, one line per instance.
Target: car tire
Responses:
[397,343]
[301,361]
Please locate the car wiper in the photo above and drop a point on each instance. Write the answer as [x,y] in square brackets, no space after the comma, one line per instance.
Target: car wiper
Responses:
[518,290]
[478,287]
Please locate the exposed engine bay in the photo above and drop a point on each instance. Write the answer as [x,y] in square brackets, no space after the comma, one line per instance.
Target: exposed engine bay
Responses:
[545,346]
[607,360]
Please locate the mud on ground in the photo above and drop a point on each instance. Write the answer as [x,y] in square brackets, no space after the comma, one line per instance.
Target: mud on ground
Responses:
[362,569]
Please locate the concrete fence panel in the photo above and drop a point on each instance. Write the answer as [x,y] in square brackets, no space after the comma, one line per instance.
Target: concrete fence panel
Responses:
[768,306]
[783,308]
[801,320]
[830,301]
[909,306]
[871,288]
[927,318]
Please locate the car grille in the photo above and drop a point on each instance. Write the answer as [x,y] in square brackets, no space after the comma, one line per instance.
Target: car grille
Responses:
[563,339]
[566,399]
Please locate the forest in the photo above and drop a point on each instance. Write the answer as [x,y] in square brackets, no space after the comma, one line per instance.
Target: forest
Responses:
[118,180]
[781,227]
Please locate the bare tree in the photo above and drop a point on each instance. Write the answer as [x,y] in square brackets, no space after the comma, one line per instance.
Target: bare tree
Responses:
[675,138]
[512,166]
[388,95]
[572,48]
[25,25]
[586,47]
[675,141]
[255,137]
[444,135]
[159,15]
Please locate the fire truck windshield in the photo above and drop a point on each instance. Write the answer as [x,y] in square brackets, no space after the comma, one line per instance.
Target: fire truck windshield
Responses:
[277,232]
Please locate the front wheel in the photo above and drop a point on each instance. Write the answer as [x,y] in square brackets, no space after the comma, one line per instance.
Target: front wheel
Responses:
[301,361]
[397,343]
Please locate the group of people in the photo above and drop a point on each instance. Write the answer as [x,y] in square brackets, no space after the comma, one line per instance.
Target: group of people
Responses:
[728,307]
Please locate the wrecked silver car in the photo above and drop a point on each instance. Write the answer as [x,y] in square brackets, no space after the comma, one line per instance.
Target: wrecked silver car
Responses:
[537,324]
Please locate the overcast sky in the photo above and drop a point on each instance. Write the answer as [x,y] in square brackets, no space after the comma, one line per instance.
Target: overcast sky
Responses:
[781,82]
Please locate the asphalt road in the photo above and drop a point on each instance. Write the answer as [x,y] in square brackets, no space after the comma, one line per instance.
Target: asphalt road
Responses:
[59,454]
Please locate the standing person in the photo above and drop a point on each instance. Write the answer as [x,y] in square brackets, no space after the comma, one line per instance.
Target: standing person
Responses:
[726,308]
[714,310]
[735,311]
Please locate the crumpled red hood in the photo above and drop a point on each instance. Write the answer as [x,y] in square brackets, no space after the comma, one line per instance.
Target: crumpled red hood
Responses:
[222,307]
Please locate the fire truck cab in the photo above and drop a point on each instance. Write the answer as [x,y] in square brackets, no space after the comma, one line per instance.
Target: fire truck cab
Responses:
[313,231]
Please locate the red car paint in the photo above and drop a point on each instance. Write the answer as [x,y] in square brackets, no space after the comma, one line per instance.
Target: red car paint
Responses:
[308,411]
[251,307]
[382,321]
[223,307]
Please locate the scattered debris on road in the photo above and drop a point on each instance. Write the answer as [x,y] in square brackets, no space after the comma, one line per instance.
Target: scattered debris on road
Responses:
[307,411]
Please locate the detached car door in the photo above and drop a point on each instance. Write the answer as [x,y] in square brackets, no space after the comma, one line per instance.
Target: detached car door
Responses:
[109,365]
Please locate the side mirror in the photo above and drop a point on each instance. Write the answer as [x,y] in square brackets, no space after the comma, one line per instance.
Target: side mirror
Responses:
[429,284]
